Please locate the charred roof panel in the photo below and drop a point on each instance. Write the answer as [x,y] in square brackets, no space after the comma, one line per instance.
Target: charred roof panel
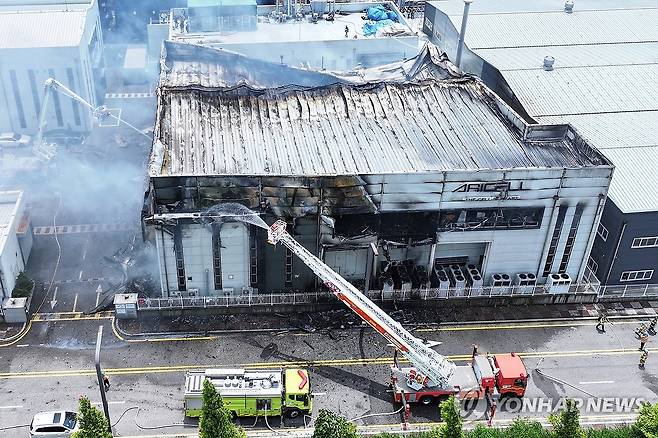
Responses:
[242,119]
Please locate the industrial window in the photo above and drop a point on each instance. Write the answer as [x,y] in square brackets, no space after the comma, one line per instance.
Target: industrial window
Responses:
[17,98]
[35,92]
[636,275]
[217,256]
[603,232]
[288,270]
[555,240]
[645,242]
[253,259]
[571,239]
[74,104]
[56,102]
[592,265]
[180,262]
[491,219]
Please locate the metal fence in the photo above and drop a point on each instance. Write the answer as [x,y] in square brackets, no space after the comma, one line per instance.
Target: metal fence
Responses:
[629,291]
[293,298]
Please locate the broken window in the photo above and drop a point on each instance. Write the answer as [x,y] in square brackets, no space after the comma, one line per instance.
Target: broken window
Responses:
[180,262]
[490,219]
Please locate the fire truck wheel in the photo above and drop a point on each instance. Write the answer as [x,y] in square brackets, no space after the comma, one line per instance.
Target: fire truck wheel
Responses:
[426,400]
[293,413]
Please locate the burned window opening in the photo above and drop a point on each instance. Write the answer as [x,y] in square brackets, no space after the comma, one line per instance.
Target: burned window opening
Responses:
[217,256]
[491,219]
[555,240]
[180,262]
[571,238]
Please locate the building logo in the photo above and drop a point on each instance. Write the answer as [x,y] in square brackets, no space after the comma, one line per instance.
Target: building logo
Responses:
[501,188]
[493,186]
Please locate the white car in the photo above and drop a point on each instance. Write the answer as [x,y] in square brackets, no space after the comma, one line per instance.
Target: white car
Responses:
[54,424]
[14,140]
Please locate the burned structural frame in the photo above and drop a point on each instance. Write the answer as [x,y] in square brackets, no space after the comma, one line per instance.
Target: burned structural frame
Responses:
[406,191]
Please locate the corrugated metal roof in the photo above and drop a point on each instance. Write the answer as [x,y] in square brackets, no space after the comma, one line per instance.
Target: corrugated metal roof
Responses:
[580,90]
[604,81]
[530,29]
[346,130]
[634,186]
[28,29]
[602,130]
[455,7]
[518,58]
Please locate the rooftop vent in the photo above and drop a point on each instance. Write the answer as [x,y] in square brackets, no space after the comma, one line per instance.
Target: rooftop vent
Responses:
[568,6]
[548,63]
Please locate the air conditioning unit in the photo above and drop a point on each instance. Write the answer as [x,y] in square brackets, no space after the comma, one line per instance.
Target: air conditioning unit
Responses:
[525,282]
[175,294]
[192,292]
[387,287]
[228,291]
[558,283]
[460,283]
[500,284]
[437,273]
[475,280]
[246,290]
[454,271]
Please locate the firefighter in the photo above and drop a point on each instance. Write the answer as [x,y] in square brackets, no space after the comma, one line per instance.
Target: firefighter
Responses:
[652,324]
[643,358]
[600,326]
[106,382]
[644,337]
[492,412]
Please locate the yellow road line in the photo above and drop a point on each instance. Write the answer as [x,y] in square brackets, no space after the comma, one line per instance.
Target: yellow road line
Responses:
[298,364]
[21,336]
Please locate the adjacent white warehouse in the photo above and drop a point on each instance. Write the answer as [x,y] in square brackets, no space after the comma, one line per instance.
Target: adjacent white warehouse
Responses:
[45,39]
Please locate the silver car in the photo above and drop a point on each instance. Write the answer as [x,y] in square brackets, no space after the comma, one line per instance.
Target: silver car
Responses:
[54,424]
[14,140]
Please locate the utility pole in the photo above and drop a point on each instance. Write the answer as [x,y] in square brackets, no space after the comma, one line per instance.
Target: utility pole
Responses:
[99,374]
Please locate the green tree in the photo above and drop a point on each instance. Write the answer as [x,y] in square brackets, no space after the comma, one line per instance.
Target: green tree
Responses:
[566,424]
[526,429]
[331,425]
[481,431]
[452,419]
[215,418]
[92,422]
[647,421]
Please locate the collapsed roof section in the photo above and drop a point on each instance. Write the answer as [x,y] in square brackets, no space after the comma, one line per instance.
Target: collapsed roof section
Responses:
[220,113]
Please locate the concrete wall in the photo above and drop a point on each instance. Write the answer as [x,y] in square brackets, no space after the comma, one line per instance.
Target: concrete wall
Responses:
[331,55]
[615,254]
[11,258]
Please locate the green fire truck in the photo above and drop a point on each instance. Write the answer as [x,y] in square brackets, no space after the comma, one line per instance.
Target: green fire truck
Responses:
[251,393]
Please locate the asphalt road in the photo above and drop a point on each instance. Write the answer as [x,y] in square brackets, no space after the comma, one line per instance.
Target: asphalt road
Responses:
[53,364]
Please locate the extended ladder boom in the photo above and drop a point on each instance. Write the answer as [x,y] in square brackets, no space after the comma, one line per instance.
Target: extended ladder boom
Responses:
[436,368]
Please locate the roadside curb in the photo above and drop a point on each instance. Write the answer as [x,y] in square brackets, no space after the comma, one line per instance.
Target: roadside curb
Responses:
[124,335]
[6,342]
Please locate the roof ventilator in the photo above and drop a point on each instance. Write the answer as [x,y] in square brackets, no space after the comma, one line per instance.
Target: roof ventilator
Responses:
[568,6]
[548,63]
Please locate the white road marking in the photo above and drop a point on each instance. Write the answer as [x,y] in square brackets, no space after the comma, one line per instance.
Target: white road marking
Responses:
[75,302]
[596,382]
[98,294]
[11,407]
[22,345]
[84,253]
[80,276]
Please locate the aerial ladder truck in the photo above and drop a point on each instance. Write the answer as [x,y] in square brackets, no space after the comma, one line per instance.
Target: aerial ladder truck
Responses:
[431,375]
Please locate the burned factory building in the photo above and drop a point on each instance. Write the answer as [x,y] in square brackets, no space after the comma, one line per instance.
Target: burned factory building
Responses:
[404,176]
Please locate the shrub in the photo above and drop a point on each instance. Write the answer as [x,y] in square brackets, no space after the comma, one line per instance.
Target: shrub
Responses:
[330,425]
[215,418]
[450,415]
[23,286]
[566,424]
[647,421]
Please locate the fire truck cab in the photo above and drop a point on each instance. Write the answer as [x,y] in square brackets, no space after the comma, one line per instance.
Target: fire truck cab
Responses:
[504,373]
[511,375]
